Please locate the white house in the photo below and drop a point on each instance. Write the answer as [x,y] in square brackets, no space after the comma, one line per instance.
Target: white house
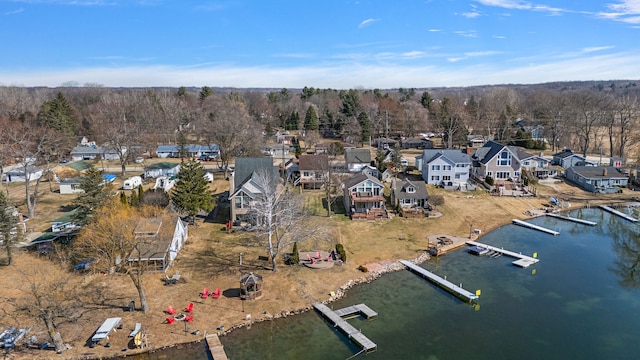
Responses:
[161,169]
[70,186]
[23,173]
[357,159]
[449,168]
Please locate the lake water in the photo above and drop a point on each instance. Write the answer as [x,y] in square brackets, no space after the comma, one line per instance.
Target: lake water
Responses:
[580,301]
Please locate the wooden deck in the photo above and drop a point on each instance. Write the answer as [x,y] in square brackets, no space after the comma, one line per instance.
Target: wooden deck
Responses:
[356,310]
[352,333]
[522,261]
[215,347]
[444,283]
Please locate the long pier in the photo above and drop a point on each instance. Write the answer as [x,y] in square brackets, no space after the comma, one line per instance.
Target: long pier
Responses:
[576,220]
[535,227]
[444,283]
[616,212]
[215,347]
[522,261]
[352,333]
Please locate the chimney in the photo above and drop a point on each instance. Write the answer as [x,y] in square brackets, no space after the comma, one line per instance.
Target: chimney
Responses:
[604,172]
[468,150]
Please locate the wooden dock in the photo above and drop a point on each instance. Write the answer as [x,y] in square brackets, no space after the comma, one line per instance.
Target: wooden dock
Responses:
[215,347]
[522,261]
[444,283]
[356,310]
[576,220]
[616,212]
[341,324]
[535,227]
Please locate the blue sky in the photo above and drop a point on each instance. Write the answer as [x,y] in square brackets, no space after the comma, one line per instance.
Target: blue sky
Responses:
[336,44]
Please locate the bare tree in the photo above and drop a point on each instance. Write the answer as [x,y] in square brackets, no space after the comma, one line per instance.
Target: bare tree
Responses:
[624,115]
[588,109]
[52,297]
[280,216]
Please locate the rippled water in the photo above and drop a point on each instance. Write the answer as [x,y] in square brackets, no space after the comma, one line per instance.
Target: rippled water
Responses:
[570,305]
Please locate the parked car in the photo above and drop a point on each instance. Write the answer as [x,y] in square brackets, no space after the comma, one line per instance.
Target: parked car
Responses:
[139,160]
[205,157]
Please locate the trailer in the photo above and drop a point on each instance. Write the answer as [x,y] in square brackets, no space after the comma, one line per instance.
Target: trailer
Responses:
[132,183]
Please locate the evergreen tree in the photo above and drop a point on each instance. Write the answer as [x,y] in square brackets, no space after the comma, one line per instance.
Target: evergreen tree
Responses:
[123,198]
[183,147]
[426,100]
[311,119]
[140,193]
[295,257]
[292,121]
[133,199]
[58,114]
[365,127]
[205,92]
[96,193]
[191,192]
[9,232]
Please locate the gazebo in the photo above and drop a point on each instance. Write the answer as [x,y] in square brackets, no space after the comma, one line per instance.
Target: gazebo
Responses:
[250,287]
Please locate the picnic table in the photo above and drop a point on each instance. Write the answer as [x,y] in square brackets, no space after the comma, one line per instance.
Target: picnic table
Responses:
[105,329]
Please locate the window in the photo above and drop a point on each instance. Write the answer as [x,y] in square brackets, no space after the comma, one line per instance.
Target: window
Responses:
[411,189]
[446,178]
[435,178]
[502,175]
[242,201]
[458,176]
[435,167]
[446,167]
[504,159]
[306,174]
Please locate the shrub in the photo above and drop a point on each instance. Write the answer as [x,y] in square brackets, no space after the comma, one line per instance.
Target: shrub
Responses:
[489,180]
[363,268]
[341,252]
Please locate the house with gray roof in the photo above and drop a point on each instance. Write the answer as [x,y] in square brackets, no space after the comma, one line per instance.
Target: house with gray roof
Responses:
[23,174]
[536,165]
[194,151]
[605,179]
[314,170]
[245,184]
[364,197]
[497,161]
[409,195]
[567,158]
[356,159]
[445,167]
[92,152]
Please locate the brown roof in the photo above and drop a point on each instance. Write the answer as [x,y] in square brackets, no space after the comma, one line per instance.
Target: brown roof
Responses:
[314,162]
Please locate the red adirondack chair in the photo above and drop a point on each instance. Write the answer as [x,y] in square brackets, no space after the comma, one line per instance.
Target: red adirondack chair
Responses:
[171,310]
[216,294]
[170,320]
[189,308]
[205,293]
[189,318]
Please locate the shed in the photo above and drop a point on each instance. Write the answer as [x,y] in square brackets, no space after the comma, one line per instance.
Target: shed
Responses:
[250,287]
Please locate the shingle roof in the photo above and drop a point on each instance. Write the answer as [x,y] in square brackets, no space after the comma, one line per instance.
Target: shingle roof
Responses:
[598,172]
[454,156]
[314,162]
[360,177]
[401,186]
[488,151]
[357,156]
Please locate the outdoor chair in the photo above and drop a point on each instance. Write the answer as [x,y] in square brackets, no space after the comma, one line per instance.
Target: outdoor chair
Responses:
[205,293]
[216,294]
[189,308]
[170,320]
[189,318]
[171,310]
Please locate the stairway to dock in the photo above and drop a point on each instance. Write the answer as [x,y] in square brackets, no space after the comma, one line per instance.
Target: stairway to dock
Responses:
[341,324]
[444,283]
[522,261]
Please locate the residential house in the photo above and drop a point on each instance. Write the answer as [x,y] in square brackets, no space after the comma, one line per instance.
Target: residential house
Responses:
[65,223]
[92,152]
[417,143]
[371,170]
[567,158]
[158,241]
[194,151]
[244,186]
[535,165]
[607,179]
[356,159]
[70,186]
[314,170]
[497,161]
[409,195]
[384,143]
[23,174]
[445,167]
[161,169]
[476,141]
[364,197]
[84,141]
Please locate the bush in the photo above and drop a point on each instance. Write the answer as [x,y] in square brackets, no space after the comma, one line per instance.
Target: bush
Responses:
[341,252]
[363,268]
[489,180]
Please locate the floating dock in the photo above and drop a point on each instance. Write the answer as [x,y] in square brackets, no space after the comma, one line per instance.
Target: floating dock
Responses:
[355,311]
[535,227]
[576,220]
[352,333]
[522,261]
[215,347]
[444,283]
[616,212]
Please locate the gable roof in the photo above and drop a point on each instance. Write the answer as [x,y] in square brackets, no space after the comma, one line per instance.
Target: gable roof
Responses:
[357,156]
[164,165]
[314,162]
[565,154]
[488,151]
[454,156]
[360,177]
[245,167]
[598,172]
[400,189]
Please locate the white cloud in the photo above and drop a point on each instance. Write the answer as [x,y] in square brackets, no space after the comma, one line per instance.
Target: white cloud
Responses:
[481,53]
[471,15]
[413,54]
[596,48]
[13,12]
[434,30]
[346,74]
[367,22]
[469,34]
[499,37]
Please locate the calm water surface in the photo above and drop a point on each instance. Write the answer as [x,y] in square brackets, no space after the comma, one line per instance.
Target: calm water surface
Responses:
[579,301]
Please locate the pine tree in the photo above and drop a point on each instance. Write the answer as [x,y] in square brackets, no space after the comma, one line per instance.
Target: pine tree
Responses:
[96,193]
[58,114]
[191,192]
[311,119]
[123,198]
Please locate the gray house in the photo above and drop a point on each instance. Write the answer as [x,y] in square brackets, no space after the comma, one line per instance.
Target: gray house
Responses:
[567,158]
[607,179]
[244,187]
[446,167]
[409,194]
[161,169]
[357,159]
[497,161]
[92,152]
